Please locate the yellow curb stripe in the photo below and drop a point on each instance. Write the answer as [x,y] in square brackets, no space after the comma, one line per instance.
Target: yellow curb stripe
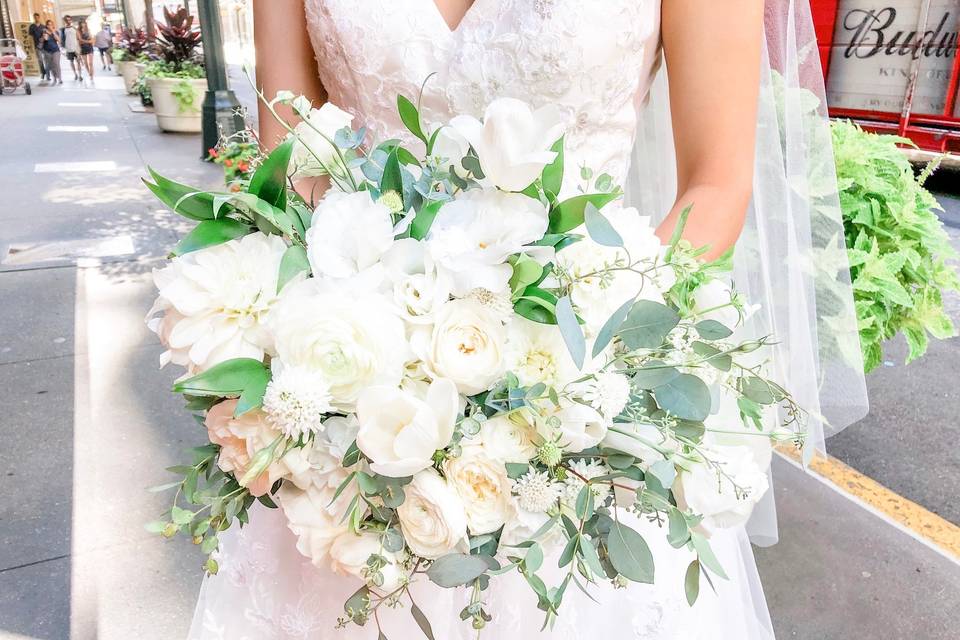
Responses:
[925,524]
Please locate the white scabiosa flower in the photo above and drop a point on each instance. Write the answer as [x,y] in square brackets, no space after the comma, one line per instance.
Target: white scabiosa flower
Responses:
[296,400]
[588,469]
[607,392]
[215,302]
[536,491]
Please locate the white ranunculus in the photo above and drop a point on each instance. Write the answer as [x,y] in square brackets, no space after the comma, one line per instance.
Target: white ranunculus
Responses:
[466,345]
[581,426]
[313,519]
[449,147]
[513,142]
[312,151]
[597,295]
[509,438]
[723,499]
[353,342]
[537,353]
[399,432]
[349,234]
[350,552]
[432,517]
[483,485]
[418,289]
[473,235]
[216,302]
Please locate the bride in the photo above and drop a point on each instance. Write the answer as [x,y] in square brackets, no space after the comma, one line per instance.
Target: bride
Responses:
[736,131]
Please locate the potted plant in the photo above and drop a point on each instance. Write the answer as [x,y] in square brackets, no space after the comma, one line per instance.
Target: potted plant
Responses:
[132,51]
[177,81]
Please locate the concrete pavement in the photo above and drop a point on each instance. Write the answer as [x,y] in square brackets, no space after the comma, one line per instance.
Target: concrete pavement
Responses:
[89,423]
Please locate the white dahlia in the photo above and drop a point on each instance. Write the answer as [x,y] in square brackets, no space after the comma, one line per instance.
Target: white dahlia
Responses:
[214,303]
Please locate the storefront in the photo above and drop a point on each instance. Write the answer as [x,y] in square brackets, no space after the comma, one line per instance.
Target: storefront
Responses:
[892,66]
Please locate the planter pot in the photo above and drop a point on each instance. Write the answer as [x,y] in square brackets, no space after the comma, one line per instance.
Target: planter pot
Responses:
[130,72]
[172,114]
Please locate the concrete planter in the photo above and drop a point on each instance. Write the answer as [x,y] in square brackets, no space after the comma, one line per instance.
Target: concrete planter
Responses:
[130,72]
[171,115]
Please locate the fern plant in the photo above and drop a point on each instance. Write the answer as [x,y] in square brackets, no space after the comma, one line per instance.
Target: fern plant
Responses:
[900,256]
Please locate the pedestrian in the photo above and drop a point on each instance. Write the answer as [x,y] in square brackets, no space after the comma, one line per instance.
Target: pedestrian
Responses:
[36,33]
[86,46]
[50,43]
[71,45]
[104,42]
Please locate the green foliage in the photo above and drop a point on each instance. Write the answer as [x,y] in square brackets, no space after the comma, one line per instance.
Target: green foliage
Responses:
[899,253]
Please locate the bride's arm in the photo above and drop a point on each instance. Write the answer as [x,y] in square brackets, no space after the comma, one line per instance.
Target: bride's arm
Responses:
[712,51]
[284,59]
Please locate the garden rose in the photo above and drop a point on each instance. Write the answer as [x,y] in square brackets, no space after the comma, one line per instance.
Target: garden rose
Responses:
[723,499]
[419,290]
[349,554]
[484,487]
[432,517]
[509,438]
[314,520]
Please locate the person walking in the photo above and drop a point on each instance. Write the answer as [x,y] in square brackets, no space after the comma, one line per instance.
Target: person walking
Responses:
[86,46]
[36,34]
[104,43]
[50,44]
[71,45]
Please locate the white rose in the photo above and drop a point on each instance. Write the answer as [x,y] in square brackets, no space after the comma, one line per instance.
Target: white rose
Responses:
[521,525]
[312,151]
[432,517]
[216,302]
[353,342]
[349,234]
[472,237]
[513,142]
[581,426]
[418,289]
[484,487]
[510,438]
[400,432]
[537,353]
[723,499]
[449,147]
[313,519]
[598,292]
[465,345]
[350,552]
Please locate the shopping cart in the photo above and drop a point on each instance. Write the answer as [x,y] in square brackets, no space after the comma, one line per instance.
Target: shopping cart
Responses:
[12,77]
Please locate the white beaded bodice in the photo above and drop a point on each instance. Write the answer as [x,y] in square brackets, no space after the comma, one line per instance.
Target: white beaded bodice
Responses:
[592,58]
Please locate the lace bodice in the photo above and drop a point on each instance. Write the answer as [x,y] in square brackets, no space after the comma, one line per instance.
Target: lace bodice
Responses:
[592,58]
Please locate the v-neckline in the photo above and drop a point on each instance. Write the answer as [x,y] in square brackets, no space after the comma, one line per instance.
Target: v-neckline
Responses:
[452,29]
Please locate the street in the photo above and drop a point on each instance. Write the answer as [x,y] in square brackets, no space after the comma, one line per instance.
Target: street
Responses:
[89,424]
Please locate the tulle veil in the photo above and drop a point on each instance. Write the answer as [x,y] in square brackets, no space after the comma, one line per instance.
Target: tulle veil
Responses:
[791,258]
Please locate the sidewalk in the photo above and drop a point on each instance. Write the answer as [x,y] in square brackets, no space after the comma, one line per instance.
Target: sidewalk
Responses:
[89,423]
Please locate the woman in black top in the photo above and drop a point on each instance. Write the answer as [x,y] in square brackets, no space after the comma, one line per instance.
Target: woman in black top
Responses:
[50,45]
[86,46]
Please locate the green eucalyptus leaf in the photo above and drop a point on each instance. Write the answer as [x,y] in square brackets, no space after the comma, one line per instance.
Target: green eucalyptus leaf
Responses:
[712,330]
[629,554]
[647,325]
[410,117]
[456,569]
[569,214]
[611,327]
[571,331]
[685,396]
[599,228]
[691,582]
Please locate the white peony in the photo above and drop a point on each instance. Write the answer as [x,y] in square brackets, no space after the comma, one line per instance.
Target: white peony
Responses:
[216,302]
[473,235]
[418,289]
[513,142]
[349,234]
[432,517]
[349,554]
[312,151]
[723,492]
[510,438]
[537,353]
[597,291]
[483,485]
[399,432]
[352,342]
[449,147]
[314,520]
[465,344]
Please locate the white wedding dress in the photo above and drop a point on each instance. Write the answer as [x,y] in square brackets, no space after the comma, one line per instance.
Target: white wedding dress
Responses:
[595,59]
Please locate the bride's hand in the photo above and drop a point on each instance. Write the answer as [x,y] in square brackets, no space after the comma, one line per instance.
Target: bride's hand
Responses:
[713,50]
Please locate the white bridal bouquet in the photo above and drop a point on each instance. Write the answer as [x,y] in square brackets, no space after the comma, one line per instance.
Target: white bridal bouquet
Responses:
[453,365]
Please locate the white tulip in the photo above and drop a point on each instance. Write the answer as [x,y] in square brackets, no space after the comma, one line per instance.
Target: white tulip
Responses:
[465,345]
[581,426]
[473,235]
[483,485]
[725,497]
[311,150]
[349,234]
[216,302]
[349,554]
[418,289]
[513,142]
[432,517]
[352,342]
[400,432]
